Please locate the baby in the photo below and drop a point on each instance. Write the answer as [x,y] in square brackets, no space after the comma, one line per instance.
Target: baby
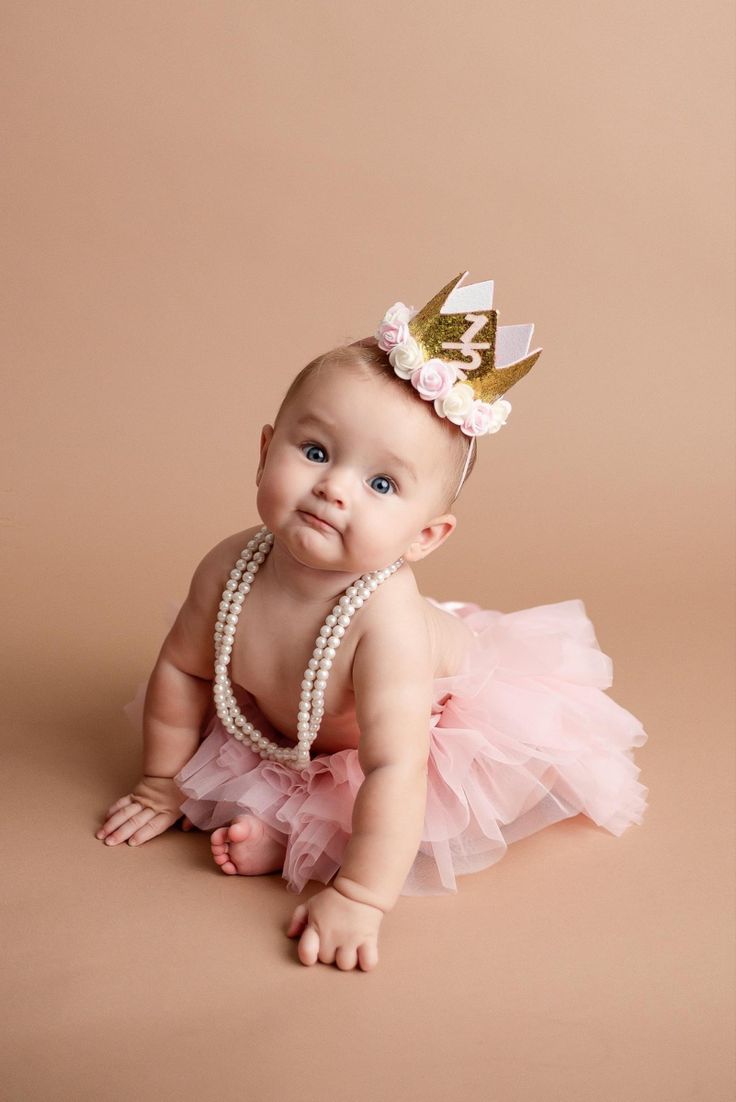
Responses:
[432,752]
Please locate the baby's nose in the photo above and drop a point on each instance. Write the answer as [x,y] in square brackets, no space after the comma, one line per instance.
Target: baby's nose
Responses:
[332,489]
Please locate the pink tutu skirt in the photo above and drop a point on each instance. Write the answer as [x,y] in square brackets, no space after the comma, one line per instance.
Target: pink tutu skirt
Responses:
[522,736]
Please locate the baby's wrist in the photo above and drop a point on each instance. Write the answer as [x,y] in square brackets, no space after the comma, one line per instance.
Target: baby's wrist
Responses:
[359,894]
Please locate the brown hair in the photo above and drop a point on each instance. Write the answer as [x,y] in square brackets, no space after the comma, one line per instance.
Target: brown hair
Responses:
[366,355]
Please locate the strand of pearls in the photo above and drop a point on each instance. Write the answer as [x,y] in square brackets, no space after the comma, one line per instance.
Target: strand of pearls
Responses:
[311,704]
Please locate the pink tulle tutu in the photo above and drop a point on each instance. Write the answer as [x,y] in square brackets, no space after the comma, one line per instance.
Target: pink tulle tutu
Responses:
[522,736]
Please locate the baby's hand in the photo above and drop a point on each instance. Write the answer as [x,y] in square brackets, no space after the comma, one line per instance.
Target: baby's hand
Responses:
[336,929]
[149,809]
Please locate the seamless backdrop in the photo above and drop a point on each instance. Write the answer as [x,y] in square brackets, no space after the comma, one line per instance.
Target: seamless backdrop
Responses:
[197,199]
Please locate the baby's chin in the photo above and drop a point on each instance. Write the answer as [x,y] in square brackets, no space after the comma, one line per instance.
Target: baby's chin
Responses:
[327,551]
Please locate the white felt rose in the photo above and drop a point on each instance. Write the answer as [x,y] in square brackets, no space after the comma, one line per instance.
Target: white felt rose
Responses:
[405,358]
[434,379]
[457,404]
[398,314]
[500,410]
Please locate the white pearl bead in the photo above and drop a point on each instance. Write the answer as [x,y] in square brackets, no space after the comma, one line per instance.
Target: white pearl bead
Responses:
[331,620]
[312,665]
[338,631]
[357,602]
[231,585]
[330,652]
[343,621]
[320,643]
[309,673]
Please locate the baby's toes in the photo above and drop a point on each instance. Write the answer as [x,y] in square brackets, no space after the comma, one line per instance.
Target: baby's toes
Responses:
[220,850]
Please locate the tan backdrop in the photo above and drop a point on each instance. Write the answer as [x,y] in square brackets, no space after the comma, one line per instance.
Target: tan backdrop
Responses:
[198,198]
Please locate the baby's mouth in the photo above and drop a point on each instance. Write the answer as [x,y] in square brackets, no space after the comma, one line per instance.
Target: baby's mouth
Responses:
[321,525]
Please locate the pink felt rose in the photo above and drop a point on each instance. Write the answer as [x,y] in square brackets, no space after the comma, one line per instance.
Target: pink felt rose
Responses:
[434,379]
[394,329]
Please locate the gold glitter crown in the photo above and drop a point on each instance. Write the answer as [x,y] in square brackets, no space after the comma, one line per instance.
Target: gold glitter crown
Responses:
[458,326]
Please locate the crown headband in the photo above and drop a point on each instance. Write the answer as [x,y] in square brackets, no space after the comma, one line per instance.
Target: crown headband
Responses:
[424,348]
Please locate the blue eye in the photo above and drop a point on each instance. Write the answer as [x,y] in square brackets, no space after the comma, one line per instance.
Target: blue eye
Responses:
[309,450]
[381,484]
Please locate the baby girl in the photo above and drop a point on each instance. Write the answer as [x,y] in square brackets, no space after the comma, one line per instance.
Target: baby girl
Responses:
[439,733]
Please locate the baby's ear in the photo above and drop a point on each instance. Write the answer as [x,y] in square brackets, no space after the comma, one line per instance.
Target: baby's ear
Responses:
[266,436]
[431,537]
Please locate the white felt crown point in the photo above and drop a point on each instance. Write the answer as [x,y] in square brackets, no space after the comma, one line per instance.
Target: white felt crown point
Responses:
[463,300]
[512,343]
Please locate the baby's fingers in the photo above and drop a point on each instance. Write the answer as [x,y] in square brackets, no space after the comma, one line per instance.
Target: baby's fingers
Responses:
[368,955]
[346,957]
[122,802]
[308,947]
[157,825]
[122,831]
[298,921]
[117,818]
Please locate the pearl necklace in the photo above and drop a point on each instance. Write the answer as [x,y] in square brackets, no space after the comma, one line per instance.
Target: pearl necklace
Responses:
[311,705]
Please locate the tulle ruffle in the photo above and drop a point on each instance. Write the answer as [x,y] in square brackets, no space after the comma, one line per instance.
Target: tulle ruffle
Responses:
[522,736]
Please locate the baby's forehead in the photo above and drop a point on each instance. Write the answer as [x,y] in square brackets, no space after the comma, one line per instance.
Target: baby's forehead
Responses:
[378,412]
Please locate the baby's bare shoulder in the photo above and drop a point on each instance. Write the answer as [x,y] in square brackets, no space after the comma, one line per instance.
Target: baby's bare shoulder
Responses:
[402,623]
[189,643]
[394,621]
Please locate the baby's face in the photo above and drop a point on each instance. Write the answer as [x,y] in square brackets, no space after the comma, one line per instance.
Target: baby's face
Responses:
[351,451]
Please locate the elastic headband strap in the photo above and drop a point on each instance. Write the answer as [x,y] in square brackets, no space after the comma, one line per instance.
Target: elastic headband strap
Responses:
[465,468]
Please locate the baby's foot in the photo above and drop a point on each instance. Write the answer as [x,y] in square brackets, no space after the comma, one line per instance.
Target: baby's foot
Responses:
[246,848]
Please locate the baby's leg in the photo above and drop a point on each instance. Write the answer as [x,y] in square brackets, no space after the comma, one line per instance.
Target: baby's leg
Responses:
[246,847]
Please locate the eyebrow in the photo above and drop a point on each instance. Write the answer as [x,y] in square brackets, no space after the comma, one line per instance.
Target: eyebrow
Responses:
[395,460]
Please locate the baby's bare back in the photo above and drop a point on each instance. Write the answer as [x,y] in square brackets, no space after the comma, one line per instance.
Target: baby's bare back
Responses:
[276,636]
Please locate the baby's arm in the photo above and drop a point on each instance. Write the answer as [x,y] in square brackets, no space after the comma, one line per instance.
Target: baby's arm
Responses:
[392,677]
[178,694]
